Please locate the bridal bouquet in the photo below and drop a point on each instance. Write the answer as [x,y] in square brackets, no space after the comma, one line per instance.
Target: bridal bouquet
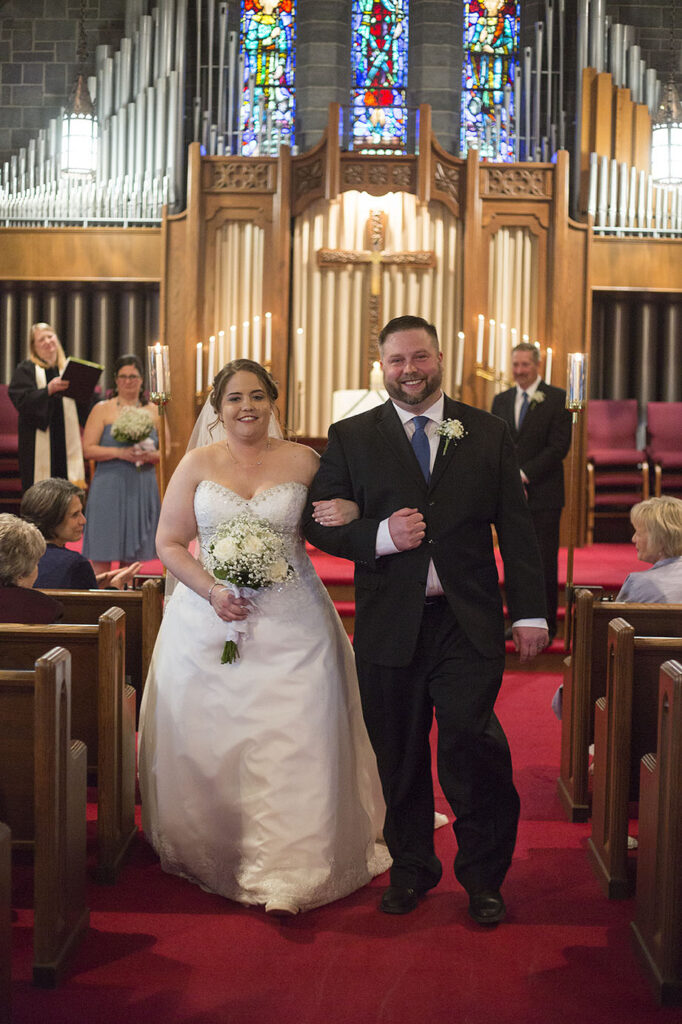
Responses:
[133,427]
[246,555]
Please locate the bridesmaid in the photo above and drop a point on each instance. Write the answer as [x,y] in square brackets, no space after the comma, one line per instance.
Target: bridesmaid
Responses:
[123,502]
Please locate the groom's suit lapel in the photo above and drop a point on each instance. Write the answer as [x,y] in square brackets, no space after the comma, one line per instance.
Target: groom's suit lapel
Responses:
[451,411]
[392,430]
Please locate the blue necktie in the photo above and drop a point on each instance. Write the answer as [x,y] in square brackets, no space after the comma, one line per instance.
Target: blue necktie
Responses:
[421,446]
[524,408]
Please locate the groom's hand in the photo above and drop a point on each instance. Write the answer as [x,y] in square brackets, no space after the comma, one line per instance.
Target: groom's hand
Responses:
[529,641]
[407,528]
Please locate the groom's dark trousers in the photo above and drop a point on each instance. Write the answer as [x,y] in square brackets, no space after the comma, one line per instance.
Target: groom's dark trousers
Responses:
[415,654]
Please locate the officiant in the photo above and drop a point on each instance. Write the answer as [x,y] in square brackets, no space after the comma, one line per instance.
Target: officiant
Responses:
[49,421]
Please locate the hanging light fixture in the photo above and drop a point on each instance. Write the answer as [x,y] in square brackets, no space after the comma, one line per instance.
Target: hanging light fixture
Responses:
[79,124]
[666,138]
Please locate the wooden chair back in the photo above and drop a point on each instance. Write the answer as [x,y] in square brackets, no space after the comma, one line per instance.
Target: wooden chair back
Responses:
[657,927]
[103,717]
[5,924]
[625,728]
[585,683]
[143,609]
[43,789]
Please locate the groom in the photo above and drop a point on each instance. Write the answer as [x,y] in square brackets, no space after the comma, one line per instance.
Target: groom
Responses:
[430,477]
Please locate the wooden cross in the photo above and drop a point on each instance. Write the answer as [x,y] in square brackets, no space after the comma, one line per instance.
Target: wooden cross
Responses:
[376,257]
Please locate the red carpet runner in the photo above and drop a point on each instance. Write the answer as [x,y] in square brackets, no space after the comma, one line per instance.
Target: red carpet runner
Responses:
[160,950]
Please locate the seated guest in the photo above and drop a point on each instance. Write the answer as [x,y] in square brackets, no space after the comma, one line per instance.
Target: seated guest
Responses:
[55,506]
[658,539]
[21,546]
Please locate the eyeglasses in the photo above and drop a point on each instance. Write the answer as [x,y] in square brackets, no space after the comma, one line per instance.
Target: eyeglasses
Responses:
[128,376]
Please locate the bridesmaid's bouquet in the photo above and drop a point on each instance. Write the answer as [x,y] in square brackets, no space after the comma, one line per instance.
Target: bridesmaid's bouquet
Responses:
[133,427]
[246,555]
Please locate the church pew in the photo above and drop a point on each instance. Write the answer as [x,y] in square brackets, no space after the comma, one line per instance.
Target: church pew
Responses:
[43,792]
[5,923]
[143,608]
[585,682]
[625,728]
[657,927]
[103,716]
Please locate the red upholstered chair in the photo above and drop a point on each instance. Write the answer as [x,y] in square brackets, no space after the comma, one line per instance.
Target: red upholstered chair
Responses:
[10,483]
[664,446]
[617,471]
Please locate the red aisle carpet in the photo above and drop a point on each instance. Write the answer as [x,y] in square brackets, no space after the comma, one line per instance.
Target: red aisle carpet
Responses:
[160,950]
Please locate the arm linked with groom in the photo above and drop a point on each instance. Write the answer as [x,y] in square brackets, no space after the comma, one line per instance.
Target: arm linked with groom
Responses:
[429,629]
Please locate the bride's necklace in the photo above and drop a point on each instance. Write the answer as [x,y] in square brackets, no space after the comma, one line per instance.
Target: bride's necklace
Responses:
[248,465]
[127,405]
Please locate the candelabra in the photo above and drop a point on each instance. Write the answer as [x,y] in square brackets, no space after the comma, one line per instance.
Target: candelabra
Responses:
[576,395]
[492,375]
[159,393]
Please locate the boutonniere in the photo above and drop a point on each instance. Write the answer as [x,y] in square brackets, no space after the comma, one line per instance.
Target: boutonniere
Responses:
[451,430]
[538,397]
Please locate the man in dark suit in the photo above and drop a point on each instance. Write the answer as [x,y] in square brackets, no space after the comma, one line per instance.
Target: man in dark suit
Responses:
[540,427]
[429,629]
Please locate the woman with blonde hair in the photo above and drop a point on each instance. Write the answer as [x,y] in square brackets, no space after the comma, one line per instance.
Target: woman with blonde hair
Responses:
[49,421]
[658,539]
[22,545]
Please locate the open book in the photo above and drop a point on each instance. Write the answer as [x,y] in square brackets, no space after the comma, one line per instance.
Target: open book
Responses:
[82,376]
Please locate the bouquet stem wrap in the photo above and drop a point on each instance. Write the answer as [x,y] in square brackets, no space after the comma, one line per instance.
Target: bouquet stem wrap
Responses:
[238,629]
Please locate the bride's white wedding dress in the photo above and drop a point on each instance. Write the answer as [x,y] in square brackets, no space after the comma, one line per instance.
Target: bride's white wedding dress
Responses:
[258,780]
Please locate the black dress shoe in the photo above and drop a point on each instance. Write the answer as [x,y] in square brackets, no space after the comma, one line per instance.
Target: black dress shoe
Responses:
[487,907]
[398,899]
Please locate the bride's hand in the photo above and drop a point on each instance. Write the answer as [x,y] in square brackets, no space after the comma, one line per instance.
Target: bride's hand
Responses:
[335,512]
[228,607]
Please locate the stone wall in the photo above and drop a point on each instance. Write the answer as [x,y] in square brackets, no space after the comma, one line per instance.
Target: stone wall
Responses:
[38,43]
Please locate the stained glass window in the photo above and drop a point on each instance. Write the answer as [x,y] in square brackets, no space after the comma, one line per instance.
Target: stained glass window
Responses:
[491,42]
[267,49]
[379,75]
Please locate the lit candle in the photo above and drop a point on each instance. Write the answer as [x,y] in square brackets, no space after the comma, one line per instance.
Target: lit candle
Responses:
[491,344]
[479,339]
[245,339]
[256,339]
[200,358]
[548,366]
[503,350]
[577,378]
[525,338]
[376,377]
[233,342]
[158,366]
[221,349]
[268,338]
[211,359]
[459,372]
[514,336]
[300,354]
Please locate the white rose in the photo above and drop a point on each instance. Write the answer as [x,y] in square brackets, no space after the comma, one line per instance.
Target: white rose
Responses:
[252,545]
[279,570]
[224,550]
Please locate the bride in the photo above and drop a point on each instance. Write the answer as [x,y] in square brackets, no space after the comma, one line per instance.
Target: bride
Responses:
[257,777]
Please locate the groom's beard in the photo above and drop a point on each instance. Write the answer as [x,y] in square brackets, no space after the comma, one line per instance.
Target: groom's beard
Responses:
[431,385]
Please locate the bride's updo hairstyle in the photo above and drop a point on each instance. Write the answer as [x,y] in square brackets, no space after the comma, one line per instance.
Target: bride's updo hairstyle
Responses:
[224,376]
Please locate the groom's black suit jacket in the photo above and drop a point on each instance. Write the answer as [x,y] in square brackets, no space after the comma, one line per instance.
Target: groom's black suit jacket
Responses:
[474,485]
